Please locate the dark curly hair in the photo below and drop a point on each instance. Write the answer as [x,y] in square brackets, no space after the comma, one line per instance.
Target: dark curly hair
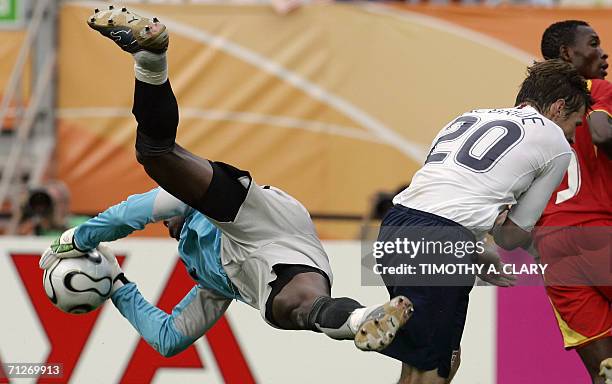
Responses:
[550,80]
[557,35]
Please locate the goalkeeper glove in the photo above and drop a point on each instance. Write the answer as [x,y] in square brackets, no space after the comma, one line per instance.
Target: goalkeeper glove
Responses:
[63,247]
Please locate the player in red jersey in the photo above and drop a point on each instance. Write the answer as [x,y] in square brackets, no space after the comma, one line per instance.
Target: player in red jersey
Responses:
[578,258]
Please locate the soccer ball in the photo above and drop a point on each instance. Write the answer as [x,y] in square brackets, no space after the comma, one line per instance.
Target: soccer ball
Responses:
[79,284]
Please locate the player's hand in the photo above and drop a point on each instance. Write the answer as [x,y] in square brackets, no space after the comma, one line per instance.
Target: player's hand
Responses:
[500,220]
[489,258]
[119,279]
[61,248]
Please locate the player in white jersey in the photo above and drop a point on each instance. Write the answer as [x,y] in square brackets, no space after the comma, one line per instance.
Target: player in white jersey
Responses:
[479,164]
[489,159]
[238,240]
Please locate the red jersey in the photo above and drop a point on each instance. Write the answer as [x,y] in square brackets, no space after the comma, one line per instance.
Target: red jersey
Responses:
[584,194]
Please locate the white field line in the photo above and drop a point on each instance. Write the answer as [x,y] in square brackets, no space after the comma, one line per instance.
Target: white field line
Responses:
[229,116]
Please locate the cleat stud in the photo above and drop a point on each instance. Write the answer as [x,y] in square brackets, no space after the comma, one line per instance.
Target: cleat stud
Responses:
[111,7]
[92,20]
[110,21]
[376,322]
[400,300]
[147,28]
[382,343]
[124,9]
[155,20]
[368,346]
[363,332]
[96,10]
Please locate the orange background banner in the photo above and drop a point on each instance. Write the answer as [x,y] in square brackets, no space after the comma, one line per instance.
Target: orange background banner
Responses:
[331,103]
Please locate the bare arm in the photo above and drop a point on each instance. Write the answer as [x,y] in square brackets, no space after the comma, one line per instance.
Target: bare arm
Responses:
[600,124]
[510,235]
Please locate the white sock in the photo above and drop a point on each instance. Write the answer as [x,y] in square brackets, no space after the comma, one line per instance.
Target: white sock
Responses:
[151,67]
[356,318]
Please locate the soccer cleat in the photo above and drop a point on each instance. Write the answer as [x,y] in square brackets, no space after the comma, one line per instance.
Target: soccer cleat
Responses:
[605,370]
[131,32]
[380,326]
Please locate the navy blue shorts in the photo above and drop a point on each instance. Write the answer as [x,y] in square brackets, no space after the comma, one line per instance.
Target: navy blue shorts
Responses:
[433,333]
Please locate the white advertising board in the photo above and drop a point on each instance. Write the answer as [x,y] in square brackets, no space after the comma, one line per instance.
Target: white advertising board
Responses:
[103,348]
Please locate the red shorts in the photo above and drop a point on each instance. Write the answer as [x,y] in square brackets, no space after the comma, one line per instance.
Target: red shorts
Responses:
[579,282]
[583,313]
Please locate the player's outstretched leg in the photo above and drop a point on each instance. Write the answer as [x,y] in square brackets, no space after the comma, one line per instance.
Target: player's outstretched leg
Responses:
[304,303]
[155,106]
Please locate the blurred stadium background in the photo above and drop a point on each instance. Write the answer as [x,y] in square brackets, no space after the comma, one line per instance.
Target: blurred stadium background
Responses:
[335,103]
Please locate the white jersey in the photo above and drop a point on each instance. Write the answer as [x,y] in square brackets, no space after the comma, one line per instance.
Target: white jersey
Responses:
[485,160]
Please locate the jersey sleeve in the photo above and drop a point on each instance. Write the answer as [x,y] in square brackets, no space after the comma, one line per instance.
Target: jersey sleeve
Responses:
[170,334]
[130,215]
[601,93]
[530,205]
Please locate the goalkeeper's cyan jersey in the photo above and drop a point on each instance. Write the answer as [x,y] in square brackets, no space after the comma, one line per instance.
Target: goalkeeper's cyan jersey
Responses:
[199,245]
[199,249]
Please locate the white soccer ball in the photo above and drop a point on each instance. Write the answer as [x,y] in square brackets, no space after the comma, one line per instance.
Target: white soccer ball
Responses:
[79,284]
